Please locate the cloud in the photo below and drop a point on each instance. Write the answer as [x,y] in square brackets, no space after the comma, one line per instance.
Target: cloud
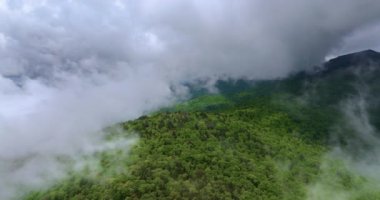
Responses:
[254,39]
[242,38]
[70,68]
[361,39]
[350,169]
[39,123]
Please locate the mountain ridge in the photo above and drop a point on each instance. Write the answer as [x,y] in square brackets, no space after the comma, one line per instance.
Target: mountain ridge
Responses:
[365,57]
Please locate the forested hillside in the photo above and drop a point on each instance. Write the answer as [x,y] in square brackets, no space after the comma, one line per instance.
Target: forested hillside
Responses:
[252,140]
[231,154]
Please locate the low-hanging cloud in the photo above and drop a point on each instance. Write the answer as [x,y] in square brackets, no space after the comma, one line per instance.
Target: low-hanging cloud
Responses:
[350,169]
[254,39]
[70,68]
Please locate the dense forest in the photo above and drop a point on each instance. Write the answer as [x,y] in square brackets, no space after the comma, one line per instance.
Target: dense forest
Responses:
[253,140]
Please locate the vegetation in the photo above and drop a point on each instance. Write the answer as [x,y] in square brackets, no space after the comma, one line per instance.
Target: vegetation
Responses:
[236,154]
[254,140]
[205,102]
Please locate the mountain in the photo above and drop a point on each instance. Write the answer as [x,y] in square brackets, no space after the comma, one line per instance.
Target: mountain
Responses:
[367,57]
[252,140]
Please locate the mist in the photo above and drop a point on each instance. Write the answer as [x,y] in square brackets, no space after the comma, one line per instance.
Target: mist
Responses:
[69,69]
[350,168]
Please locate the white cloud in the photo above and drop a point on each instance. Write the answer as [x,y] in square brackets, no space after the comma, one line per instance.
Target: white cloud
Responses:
[361,39]
[3,41]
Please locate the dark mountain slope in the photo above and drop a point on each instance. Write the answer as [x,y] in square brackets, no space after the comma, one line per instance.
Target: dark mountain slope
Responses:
[367,57]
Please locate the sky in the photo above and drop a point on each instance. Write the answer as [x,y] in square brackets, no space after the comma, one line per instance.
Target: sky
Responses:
[360,39]
[70,68]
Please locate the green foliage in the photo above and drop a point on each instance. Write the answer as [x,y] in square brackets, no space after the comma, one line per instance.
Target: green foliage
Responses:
[254,140]
[235,154]
[338,181]
[205,103]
